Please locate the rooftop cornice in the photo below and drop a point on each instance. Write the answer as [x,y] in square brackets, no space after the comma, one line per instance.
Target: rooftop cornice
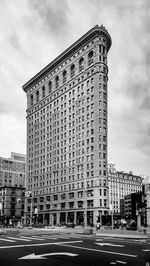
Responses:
[92,33]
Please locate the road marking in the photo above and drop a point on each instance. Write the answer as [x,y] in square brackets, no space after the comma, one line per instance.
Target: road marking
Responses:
[33,238]
[98,250]
[119,261]
[139,241]
[122,262]
[15,238]
[146,250]
[42,256]
[8,240]
[109,244]
[41,244]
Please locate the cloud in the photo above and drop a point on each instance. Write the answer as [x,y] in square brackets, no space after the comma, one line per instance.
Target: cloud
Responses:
[34,32]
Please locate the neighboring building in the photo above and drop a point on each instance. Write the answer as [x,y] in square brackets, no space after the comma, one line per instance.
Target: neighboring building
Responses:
[12,170]
[135,207]
[121,184]
[147,198]
[11,205]
[67,134]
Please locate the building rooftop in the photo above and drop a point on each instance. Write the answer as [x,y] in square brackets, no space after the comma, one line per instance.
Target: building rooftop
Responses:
[92,33]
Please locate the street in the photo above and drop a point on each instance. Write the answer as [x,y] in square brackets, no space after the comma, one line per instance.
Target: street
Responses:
[73,249]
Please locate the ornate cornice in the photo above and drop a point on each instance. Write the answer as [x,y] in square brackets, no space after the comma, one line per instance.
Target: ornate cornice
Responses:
[91,34]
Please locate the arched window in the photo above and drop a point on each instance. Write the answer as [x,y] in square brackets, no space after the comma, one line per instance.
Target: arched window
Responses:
[50,86]
[81,64]
[64,76]
[31,99]
[57,81]
[90,57]
[37,96]
[72,70]
[43,91]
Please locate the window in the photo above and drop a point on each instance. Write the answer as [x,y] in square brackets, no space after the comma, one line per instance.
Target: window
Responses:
[50,86]
[41,199]
[80,204]
[81,64]
[43,91]
[72,70]
[71,195]
[102,49]
[64,76]
[63,205]
[31,99]
[89,193]
[63,196]
[37,96]
[71,204]
[90,58]
[90,203]
[57,81]
[48,198]
[55,197]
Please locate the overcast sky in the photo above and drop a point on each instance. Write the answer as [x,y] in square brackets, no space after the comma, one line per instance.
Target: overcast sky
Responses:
[34,32]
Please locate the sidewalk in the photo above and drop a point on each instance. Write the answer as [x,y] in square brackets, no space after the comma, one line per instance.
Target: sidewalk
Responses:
[76,230]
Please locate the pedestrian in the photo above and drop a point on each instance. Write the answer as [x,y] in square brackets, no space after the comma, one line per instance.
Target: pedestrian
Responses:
[98,225]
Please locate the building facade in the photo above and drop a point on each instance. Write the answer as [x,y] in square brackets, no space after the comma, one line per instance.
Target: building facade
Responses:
[134,208]
[12,170]
[67,134]
[121,184]
[147,198]
[11,205]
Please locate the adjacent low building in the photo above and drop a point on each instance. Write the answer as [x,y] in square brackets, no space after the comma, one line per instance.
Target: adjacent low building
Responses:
[121,184]
[11,205]
[12,188]
[12,170]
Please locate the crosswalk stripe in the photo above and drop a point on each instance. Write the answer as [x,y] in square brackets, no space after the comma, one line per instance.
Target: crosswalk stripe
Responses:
[8,240]
[15,238]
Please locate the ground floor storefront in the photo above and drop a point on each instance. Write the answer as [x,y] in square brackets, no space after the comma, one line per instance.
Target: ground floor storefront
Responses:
[90,217]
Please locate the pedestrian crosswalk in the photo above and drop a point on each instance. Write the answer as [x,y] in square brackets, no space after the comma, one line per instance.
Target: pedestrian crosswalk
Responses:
[12,239]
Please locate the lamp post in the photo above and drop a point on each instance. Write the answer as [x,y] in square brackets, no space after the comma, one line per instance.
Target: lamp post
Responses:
[111,209]
[31,209]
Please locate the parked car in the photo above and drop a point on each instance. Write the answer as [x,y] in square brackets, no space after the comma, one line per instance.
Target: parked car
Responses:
[131,226]
[70,225]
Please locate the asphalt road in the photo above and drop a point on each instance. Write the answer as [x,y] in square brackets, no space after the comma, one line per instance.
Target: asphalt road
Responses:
[72,250]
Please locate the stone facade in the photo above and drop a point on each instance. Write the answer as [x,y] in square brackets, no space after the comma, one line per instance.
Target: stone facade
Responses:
[121,184]
[67,134]
[12,170]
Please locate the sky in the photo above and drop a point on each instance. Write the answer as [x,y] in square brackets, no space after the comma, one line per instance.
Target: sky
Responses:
[34,32]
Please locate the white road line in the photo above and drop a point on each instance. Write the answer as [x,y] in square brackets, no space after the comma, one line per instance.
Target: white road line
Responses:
[139,241]
[98,250]
[122,262]
[8,240]
[41,244]
[33,238]
[110,244]
[15,238]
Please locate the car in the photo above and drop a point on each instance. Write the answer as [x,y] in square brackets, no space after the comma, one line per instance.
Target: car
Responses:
[131,226]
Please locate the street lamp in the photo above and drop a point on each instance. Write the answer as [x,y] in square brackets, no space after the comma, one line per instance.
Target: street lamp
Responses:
[111,209]
[31,209]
